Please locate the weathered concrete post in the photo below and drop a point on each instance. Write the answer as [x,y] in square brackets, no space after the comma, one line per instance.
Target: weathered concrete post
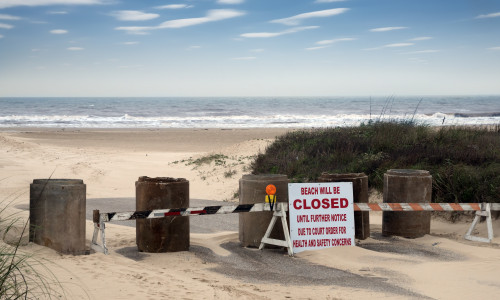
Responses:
[360,195]
[167,234]
[407,186]
[57,214]
[253,226]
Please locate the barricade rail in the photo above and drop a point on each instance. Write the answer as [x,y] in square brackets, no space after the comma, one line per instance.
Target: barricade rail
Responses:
[99,219]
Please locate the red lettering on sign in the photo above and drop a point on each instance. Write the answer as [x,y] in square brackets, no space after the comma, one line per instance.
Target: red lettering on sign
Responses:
[325,203]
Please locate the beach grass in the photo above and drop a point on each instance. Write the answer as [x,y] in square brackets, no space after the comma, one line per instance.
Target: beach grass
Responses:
[464,161]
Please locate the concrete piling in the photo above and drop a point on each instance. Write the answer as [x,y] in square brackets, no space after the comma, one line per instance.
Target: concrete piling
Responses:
[407,186]
[57,214]
[169,234]
[360,195]
[252,227]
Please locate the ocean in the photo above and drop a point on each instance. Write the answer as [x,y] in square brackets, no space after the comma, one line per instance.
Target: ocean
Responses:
[245,112]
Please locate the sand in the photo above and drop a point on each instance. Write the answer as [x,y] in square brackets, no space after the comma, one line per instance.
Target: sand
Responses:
[441,265]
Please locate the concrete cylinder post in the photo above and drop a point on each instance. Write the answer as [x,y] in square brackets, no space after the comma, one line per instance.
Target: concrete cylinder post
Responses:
[169,234]
[360,195]
[57,214]
[253,226]
[407,186]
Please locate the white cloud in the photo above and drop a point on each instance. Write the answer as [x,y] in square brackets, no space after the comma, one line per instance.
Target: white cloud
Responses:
[1,36]
[13,3]
[75,48]
[275,34]
[230,1]
[423,51]
[383,29]
[328,42]
[59,31]
[421,38]
[317,48]
[139,30]
[173,6]
[244,58]
[130,43]
[193,47]
[295,20]
[328,1]
[133,15]
[212,16]
[492,15]
[9,17]
[60,12]
[494,48]
[6,26]
[257,50]
[397,45]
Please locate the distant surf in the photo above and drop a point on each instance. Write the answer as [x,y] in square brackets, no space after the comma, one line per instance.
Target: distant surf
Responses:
[245,112]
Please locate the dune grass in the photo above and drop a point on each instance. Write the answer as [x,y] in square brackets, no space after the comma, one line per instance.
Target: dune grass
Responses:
[464,161]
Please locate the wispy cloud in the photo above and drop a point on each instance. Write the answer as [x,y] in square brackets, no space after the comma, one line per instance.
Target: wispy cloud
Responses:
[6,26]
[423,51]
[383,29]
[275,34]
[130,43]
[211,16]
[396,45]
[75,48]
[421,38]
[317,48]
[194,47]
[60,12]
[174,6]
[9,17]
[329,42]
[487,16]
[328,1]
[259,50]
[1,36]
[13,3]
[494,48]
[244,58]
[58,31]
[297,19]
[230,1]
[133,15]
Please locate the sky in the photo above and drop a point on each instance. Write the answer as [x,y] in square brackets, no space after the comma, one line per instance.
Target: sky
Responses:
[246,48]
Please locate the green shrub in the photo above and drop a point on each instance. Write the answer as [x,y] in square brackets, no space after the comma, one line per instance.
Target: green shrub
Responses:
[464,161]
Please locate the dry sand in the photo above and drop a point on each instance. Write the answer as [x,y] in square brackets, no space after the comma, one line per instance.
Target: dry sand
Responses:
[438,266]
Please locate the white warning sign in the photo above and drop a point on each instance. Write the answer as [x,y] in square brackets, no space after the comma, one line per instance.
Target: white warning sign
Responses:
[321,215]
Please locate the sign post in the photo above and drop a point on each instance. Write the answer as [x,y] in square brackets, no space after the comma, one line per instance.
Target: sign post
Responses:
[321,215]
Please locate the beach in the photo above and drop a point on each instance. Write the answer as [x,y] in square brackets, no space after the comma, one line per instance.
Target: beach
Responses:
[441,265]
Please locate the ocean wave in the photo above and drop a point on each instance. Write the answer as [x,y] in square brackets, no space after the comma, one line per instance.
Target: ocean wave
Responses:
[238,121]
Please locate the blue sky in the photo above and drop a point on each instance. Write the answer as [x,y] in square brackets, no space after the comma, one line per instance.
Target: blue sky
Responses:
[249,47]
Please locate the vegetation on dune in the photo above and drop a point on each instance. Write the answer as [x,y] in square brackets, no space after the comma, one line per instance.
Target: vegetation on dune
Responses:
[464,162]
